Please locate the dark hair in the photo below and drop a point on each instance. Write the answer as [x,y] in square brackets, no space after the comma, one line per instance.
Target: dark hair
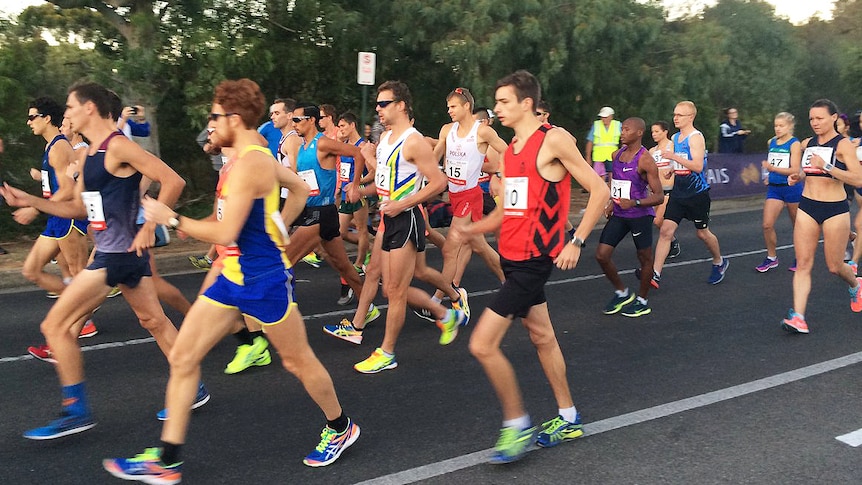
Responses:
[545,105]
[726,111]
[96,93]
[48,107]
[311,110]
[825,103]
[664,125]
[348,117]
[640,124]
[525,84]
[464,93]
[401,93]
[289,103]
[242,97]
[116,105]
[328,110]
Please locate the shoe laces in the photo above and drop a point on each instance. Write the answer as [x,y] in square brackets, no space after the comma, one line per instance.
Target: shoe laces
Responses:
[554,425]
[325,438]
[149,454]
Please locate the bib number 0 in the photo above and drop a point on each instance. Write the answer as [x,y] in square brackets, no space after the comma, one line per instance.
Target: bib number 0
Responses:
[516,195]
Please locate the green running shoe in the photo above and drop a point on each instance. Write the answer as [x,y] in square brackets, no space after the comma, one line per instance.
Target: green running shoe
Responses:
[254,355]
[512,444]
[559,430]
[617,303]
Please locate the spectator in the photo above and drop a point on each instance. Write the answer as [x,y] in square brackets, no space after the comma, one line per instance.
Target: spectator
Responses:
[732,139]
[602,141]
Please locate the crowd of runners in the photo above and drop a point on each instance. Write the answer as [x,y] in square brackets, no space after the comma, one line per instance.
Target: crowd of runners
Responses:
[308,189]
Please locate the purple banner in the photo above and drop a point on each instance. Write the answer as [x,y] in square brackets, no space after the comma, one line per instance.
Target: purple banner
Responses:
[734,175]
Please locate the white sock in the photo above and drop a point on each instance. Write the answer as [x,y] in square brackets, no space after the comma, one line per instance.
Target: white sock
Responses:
[643,301]
[67,280]
[522,422]
[623,292]
[772,258]
[436,299]
[569,414]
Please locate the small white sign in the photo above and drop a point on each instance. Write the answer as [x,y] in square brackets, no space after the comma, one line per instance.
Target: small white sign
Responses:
[365,68]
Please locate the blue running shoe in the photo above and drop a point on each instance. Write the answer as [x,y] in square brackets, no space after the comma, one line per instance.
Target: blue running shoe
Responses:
[146,467]
[718,271]
[202,398]
[559,430]
[67,424]
[618,302]
[332,444]
[513,444]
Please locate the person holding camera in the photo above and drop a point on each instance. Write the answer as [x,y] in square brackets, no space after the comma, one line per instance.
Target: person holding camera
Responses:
[133,122]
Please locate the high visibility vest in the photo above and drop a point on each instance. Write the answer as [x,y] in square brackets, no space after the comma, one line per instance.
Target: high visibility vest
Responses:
[606,141]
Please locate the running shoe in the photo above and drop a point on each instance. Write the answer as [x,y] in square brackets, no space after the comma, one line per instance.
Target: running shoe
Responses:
[254,355]
[332,444]
[346,295]
[718,271]
[856,296]
[373,314]
[67,424]
[42,352]
[617,303]
[794,323]
[360,270]
[792,267]
[312,259]
[654,282]
[559,430]
[201,398]
[345,331]
[767,265]
[201,262]
[674,248]
[425,314]
[376,363]
[115,291]
[146,467]
[636,309]
[462,304]
[513,444]
[88,330]
[449,327]
[52,295]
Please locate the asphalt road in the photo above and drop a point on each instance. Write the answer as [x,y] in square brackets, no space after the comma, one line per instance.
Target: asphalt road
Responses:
[706,389]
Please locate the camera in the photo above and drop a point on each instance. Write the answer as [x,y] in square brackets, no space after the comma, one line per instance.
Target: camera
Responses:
[134,110]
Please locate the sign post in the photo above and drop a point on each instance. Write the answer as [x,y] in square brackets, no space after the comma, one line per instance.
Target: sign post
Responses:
[365,76]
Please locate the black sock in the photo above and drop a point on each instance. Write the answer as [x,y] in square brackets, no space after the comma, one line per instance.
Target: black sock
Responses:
[170,453]
[245,337]
[339,424]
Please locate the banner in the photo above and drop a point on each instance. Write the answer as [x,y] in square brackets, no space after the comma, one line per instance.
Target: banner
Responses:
[735,175]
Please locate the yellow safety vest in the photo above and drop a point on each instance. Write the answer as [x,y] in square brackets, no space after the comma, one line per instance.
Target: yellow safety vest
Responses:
[605,141]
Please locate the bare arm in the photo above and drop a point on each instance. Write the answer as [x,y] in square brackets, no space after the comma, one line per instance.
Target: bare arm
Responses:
[298,189]
[417,151]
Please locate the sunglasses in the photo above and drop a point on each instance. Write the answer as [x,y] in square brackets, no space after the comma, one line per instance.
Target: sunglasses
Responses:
[33,117]
[216,116]
[539,113]
[385,103]
[297,119]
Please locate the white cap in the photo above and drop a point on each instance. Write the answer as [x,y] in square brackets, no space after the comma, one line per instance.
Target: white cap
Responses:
[606,111]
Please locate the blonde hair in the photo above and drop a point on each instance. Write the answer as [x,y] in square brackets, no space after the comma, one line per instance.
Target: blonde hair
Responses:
[689,105]
[784,115]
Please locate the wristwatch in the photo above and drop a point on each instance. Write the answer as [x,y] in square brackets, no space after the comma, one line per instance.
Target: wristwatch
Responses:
[637,202]
[828,166]
[174,222]
[578,242]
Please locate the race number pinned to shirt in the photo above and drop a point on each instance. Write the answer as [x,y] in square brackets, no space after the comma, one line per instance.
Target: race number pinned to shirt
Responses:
[824,152]
[621,189]
[46,185]
[661,162]
[345,172]
[309,177]
[382,179]
[680,169]
[515,201]
[95,210]
[219,208]
[779,160]
[456,172]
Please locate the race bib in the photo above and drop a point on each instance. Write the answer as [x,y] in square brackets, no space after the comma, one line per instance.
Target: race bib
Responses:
[309,177]
[219,209]
[515,200]
[680,169]
[824,152]
[859,153]
[484,177]
[779,160]
[661,162]
[382,179]
[345,172]
[621,189]
[95,210]
[456,172]
[46,185]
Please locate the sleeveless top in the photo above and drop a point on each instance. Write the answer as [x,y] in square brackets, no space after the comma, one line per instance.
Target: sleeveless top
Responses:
[396,178]
[826,151]
[112,202]
[627,183]
[535,209]
[49,177]
[779,156]
[345,170]
[259,247]
[320,180]
[687,183]
[463,158]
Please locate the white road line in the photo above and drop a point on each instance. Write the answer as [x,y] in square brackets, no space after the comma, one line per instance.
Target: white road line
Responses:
[466,461]
[338,313]
[853,439]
